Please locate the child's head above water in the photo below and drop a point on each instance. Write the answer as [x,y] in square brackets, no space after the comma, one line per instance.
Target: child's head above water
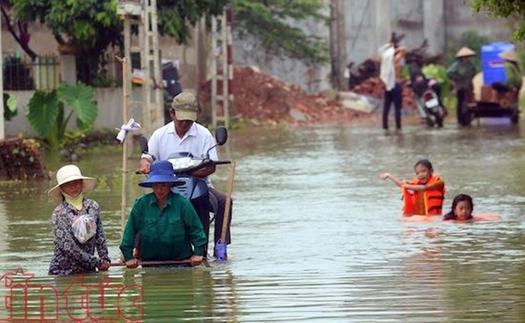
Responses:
[423,170]
[462,207]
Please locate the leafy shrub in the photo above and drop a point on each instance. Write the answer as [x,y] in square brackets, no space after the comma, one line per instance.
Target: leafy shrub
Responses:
[10,106]
[46,112]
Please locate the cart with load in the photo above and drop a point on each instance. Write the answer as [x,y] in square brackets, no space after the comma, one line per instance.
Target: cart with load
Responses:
[493,104]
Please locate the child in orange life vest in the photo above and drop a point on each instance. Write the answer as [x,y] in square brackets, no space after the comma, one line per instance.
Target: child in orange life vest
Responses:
[422,195]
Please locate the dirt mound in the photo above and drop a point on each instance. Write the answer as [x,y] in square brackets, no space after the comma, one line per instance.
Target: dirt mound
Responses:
[259,97]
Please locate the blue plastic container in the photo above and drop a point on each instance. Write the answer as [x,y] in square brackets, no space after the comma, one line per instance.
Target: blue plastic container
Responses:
[491,64]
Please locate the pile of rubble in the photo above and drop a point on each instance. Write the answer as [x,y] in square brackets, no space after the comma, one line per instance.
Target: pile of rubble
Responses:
[364,78]
[264,99]
[374,87]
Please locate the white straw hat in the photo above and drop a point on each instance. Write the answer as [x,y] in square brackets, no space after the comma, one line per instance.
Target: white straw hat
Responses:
[67,174]
[465,52]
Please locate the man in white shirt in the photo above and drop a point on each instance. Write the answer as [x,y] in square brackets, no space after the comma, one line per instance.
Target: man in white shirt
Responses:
[183,134]
[392,58]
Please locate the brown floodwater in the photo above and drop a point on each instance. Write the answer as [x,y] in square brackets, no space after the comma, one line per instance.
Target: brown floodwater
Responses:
[317,236]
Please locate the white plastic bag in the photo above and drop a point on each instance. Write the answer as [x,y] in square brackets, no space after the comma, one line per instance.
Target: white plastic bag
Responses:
[84,227]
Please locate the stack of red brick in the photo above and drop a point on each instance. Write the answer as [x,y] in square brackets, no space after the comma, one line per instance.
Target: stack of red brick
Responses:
[259,97]
[503,99]
[374,87]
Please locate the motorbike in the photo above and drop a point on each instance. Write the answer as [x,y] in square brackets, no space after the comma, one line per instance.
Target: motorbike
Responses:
[195,188]
[426,95]
[428,104]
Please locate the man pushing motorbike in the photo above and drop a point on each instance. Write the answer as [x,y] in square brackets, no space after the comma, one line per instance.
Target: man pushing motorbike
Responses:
[184,134]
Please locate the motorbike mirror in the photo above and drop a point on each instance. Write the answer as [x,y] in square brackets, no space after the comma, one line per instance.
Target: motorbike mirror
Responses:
[221,135]
[143,144]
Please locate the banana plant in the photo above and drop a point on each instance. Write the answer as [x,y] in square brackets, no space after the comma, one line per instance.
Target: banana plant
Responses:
[47,113]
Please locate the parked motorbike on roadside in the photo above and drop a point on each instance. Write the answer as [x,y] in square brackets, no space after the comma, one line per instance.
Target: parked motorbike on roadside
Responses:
[195,188]
[428,104]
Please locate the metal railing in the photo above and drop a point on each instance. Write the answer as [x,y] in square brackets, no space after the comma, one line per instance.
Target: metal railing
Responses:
[21,73]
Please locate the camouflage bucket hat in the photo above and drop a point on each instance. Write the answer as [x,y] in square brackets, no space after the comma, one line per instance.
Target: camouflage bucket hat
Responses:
[185,106]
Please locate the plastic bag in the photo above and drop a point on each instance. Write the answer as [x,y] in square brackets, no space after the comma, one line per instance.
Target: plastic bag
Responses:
[84,227]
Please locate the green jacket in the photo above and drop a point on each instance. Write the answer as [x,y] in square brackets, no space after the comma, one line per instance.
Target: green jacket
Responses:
[514,77]
[462,71]
[166,234]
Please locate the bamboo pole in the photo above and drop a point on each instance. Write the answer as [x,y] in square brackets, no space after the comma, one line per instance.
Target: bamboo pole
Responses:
[2,121]
[125,117]
[227,208]
[154,262]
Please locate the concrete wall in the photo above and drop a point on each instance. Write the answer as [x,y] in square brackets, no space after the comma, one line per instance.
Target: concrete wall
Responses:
[440,21]
[369,24]
[110,111]
[459,18]
[248,51]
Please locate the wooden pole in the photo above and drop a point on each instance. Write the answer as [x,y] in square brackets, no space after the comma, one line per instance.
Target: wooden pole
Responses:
[2,122]
[154,262]
[125,97]
[227,207]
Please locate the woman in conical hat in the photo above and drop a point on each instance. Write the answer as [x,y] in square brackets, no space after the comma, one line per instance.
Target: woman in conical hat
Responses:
[76,226]
[514,77]
[509,55]
[461,72]
[465,52]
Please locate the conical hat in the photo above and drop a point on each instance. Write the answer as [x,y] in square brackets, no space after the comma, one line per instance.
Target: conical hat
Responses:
[509,55]
[465,52]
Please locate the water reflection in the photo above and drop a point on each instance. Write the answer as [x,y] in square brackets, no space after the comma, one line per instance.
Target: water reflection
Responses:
[317,237]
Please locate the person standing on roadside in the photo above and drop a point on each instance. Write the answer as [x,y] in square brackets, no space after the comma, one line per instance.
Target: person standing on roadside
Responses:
[392,59]
[461,72]
[514,79]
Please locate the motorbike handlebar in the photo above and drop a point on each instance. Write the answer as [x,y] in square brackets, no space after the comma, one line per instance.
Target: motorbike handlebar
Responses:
[192,169]
[222,162]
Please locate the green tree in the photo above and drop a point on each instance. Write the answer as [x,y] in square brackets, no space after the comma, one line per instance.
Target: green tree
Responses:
[47,114]
[509,9]
[92,25]
[269,21]
[89,26]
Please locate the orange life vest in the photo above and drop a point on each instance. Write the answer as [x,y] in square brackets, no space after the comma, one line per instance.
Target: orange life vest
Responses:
[433,198]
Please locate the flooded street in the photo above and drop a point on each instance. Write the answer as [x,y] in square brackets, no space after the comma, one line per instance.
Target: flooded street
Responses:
[317,235]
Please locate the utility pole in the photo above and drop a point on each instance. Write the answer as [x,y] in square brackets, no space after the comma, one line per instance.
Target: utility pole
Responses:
[2,129]
[338,43]
[152,96]
[143,15]
[221,67]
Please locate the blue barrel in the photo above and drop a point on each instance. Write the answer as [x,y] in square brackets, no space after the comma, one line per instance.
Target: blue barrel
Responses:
[491,64]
